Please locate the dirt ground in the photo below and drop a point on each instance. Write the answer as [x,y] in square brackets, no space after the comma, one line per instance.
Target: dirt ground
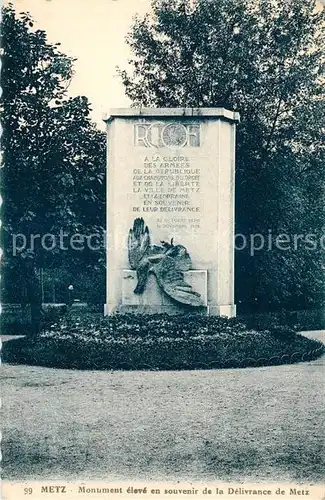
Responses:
[236,424]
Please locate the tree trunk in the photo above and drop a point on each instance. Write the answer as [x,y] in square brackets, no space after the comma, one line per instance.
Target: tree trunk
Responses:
[34,293]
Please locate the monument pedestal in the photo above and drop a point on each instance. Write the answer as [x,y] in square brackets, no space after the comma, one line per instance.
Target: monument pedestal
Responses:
[173,167]
[228,310]
[154,300]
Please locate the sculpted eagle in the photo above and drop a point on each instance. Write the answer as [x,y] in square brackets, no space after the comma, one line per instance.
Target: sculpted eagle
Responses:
[167,261]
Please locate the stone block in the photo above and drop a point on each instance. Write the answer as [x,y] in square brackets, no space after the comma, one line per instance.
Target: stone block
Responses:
[153,296]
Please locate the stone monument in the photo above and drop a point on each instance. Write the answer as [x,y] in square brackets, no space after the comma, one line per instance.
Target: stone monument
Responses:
[170,210]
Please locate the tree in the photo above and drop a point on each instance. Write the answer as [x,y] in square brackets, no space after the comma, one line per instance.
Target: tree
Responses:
[54,157]
[265,59]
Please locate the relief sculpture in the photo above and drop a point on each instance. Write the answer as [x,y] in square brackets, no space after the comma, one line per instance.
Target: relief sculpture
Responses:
[167,261]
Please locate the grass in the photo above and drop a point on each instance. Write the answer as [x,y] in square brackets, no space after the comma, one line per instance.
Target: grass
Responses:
[253,424]
[159,342]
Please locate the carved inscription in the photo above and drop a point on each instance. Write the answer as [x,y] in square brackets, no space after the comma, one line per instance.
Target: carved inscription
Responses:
[167,184]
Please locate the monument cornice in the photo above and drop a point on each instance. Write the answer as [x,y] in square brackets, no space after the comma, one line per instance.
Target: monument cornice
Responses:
[222,113]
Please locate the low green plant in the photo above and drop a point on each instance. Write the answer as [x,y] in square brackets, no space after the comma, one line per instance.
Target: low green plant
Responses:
[53,314]
[159,342]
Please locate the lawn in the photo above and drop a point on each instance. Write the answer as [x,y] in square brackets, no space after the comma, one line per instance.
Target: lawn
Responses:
[230,424]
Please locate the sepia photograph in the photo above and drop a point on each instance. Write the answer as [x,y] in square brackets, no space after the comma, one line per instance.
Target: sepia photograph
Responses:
[163,249]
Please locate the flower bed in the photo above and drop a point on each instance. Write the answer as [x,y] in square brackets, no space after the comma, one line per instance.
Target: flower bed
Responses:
[159,342]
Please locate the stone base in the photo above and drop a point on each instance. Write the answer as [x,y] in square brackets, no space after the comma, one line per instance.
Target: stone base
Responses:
[228,310]
[154,299]
[171,310]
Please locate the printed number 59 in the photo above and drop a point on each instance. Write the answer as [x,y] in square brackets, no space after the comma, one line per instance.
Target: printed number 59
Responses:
[28,491]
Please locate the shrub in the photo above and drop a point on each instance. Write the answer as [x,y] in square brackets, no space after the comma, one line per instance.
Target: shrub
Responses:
[156,325]
[283,332]
[53,313]
[158,342]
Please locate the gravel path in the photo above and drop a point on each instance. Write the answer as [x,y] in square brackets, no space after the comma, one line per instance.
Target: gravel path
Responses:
[237,424]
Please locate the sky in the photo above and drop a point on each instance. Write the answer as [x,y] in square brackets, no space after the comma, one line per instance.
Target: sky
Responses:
[93,31]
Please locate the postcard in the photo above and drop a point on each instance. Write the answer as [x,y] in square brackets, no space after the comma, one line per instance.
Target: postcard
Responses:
[162,291]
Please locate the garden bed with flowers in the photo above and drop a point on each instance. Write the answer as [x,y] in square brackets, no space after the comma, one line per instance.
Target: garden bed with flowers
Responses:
[159,342]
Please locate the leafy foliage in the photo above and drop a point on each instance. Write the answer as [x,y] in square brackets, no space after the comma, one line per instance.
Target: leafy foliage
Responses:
[159,342]
[264,59]
[54,157]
